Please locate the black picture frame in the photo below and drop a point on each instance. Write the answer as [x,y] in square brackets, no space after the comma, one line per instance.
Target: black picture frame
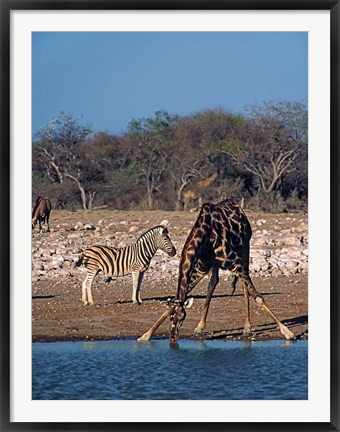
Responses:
[6,7]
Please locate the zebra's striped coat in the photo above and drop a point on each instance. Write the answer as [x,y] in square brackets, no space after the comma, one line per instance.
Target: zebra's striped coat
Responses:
[133,259]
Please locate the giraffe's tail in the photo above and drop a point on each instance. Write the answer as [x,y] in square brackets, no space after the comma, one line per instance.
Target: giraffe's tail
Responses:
[233,284]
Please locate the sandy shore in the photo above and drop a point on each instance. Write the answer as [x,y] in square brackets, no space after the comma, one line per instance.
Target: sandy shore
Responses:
[58,314]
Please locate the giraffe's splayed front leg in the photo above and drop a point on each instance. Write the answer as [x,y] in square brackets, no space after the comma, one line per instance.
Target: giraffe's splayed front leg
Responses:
[176,313]
[147,336]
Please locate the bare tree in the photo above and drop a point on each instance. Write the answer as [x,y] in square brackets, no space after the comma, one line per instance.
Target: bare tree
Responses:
[230,188]
[59,144]
[268,164]
[276,137]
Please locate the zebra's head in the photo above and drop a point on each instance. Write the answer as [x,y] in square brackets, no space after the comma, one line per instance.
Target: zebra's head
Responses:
[177,316]
[164,242]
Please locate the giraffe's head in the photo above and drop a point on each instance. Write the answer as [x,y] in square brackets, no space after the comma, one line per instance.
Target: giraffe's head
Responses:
[177,315]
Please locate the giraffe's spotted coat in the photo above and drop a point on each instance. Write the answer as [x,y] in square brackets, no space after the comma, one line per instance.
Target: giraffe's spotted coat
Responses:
[219,239]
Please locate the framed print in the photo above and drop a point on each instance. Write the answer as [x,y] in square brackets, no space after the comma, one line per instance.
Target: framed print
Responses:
[157,144]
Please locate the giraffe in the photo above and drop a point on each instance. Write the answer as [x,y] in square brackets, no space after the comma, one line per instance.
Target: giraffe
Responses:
[218,240]
[196,191]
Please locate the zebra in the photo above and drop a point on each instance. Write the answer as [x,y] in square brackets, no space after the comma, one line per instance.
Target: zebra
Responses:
[133,259]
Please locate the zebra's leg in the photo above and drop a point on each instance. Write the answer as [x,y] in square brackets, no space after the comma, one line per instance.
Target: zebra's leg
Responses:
[83,292]
[211,288]
[86,289]
[140,279]
[137,277]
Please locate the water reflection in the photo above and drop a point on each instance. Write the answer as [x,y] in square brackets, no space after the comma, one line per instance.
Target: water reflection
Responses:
[128,369]
[174,346]
[89,346]
[133,344]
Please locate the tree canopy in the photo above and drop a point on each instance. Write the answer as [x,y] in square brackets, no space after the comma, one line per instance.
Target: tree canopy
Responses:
[259,157]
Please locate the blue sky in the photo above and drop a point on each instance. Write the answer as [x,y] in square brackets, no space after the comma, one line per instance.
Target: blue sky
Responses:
[111,78]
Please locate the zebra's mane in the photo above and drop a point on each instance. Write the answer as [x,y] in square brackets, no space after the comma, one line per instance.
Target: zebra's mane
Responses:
[149,230]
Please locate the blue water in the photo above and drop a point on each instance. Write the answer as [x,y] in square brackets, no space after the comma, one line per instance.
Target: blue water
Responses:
[127,369]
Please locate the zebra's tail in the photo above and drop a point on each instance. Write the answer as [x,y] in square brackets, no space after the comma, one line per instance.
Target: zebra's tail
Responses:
[79,262]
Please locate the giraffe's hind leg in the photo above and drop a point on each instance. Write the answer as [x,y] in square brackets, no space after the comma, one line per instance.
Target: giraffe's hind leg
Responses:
[247,326]
[259,301]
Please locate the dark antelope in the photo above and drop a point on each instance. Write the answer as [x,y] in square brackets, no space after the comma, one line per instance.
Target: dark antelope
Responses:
[133,259]
[41,212]
[219,239]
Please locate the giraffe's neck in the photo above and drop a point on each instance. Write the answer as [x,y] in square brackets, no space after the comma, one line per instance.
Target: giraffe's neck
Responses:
[190,269]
